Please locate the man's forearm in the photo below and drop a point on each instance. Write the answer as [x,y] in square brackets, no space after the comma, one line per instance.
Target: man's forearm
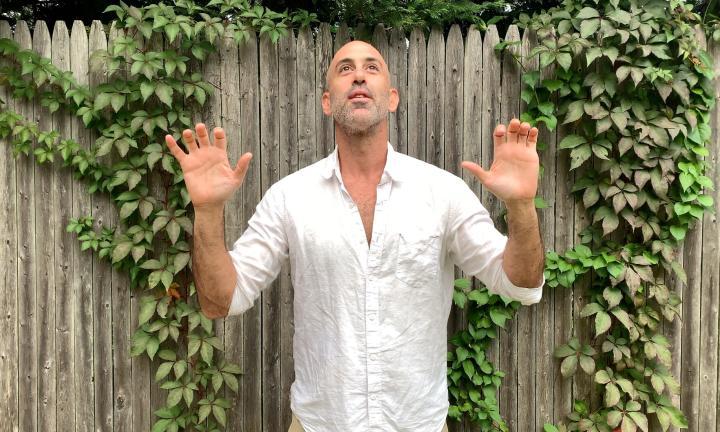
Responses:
[213,269]
[524,259]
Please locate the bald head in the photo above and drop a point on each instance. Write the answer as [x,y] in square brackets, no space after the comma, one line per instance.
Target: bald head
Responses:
[352,51]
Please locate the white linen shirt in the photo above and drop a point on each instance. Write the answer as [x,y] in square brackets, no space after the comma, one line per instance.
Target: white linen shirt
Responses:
[370,343]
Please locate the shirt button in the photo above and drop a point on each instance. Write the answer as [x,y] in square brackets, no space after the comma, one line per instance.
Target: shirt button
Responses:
[373,397]
[373,357]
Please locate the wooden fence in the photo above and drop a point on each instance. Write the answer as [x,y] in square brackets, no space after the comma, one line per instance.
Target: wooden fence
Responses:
[66,317]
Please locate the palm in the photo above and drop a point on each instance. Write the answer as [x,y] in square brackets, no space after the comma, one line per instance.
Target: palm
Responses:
[209,178]
[514,171]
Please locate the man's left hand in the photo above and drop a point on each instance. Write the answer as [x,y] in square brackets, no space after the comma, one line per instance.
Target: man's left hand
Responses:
[513,175]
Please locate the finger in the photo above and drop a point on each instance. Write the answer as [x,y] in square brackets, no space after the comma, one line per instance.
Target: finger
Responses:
[242,166]
[220,140]
[499,135]
[189,140]
[202,134]
[523,133]
[477,170]
[174,148]
[513,129]
[532,138]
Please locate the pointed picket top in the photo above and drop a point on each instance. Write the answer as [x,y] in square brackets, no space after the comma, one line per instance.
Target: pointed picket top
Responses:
[380,40]
[342,36]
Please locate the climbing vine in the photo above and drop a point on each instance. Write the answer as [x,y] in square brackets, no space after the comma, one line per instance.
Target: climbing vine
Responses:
[629,81]
[148,93]
[632,87]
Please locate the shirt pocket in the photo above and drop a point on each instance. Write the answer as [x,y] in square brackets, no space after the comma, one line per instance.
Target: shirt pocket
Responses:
[418,258]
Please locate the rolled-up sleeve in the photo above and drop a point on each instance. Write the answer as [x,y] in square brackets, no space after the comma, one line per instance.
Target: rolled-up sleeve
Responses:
[477,247]
[260,252]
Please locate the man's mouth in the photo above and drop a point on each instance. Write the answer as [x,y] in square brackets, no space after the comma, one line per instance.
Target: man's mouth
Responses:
[359,95]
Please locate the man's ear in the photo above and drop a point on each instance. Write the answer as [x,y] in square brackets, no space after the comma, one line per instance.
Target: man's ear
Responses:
[394,100]
[326,103]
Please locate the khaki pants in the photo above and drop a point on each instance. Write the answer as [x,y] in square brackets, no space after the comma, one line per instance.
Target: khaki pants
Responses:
[295,426]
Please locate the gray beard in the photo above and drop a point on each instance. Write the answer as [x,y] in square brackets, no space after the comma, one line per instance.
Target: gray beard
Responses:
[352,126]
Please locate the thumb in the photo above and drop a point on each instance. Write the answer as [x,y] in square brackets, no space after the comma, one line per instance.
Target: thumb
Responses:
[242,166]
[477,170]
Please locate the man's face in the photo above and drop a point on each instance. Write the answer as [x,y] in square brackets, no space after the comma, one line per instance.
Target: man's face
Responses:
[359,95]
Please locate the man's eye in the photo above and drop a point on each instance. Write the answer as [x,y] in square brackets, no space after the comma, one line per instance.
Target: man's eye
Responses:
[344,68]
[374,67]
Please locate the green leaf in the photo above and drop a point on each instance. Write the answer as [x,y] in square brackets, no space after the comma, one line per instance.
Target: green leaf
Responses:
[587,12]
[163,370]
[146,89]
[498,316]
[174,396]
[161,425]
[564,60]
[147,310]
[568,366]
[121,251]
[571,141]
[164,93]
[575,111]
[206,352]
[219,414]
[589,27]
[612,395]
[602,323]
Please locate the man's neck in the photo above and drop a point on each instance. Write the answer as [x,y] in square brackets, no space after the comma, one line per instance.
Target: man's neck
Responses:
[362,157]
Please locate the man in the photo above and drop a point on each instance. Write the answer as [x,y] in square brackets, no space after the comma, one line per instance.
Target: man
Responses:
[372,237]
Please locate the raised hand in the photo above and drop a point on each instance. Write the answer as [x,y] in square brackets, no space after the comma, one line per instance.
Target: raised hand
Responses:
[513,175]
[209,178]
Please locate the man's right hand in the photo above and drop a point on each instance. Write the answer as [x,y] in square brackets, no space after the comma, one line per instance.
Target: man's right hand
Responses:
[209,178]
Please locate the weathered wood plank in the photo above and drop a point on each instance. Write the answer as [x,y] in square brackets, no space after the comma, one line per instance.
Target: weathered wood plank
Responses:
[453,124]
[141,371]
[507,340]
[45,272]
[527,357]
[288,141]
[122,327]
[234,225]
[472,128]
[105,217]
[693,298]
[380,41]
[27,280]
[399,62]
[269,174]
[544,319]
[341,37]
[63,326]
[490,106]
[563,298]
[710,273]
[417,106]
[9,391]
[453,99]
[691,327]
[324,126]
[306,102]
[583,384]
[82,261]
[435,99]
[250,383]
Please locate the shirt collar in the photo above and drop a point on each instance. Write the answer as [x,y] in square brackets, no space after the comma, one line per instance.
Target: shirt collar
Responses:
[393,166]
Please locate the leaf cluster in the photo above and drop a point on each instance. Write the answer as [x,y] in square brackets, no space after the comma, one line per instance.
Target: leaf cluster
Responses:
[631,89]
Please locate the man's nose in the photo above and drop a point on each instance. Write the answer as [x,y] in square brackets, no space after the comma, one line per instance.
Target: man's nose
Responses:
[359,75]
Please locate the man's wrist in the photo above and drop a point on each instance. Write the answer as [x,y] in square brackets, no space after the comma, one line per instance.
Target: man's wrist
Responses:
[209,211]
[520,205]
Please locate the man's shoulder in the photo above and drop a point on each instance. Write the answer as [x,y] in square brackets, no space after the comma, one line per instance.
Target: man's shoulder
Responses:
[423,172]
[302,178]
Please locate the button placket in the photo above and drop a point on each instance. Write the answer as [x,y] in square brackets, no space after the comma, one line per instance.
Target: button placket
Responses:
[372,309]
